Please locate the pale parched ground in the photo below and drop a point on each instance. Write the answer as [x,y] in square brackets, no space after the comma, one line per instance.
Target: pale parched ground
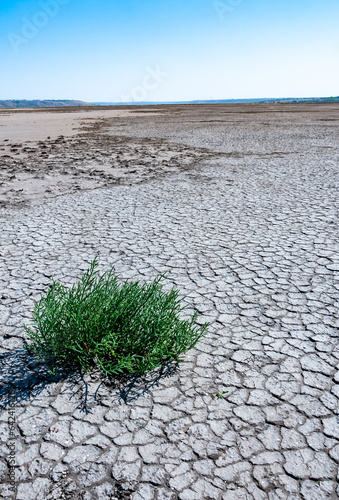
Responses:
[46,154]
[251,237]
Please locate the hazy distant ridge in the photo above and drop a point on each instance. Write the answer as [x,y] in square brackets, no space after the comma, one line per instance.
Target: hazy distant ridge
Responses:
[68,103]
[40,104]
[227,101]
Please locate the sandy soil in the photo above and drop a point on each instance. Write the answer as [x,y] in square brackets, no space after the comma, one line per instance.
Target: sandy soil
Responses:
[40,124]
[45,153]
[48,153]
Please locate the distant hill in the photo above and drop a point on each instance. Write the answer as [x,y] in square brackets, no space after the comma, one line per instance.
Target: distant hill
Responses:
[40,104]
[227,101]
[68,103]
[274,100]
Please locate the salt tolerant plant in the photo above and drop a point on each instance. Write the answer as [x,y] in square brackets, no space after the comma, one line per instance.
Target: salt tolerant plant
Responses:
[118,327]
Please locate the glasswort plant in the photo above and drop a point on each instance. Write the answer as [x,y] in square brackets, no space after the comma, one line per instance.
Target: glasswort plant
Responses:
[118,327]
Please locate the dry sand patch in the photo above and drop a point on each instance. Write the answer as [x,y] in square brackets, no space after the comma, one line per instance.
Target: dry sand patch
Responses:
[38,125]
[83,156]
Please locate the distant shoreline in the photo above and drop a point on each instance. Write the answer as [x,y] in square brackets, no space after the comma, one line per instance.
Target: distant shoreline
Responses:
[272,100]
[26,104]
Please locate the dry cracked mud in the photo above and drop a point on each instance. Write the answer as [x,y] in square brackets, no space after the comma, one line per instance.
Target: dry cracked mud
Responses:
[249,233]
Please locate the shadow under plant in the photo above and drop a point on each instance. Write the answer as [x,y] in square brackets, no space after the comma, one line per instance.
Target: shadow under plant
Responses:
[24,378]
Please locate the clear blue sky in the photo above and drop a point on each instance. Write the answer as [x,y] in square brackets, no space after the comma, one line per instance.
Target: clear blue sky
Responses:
[105,50]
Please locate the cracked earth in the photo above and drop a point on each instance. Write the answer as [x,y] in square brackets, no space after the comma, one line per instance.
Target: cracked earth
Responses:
[250,237]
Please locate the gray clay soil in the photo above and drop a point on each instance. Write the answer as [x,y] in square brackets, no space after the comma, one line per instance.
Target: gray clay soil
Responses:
[239,205]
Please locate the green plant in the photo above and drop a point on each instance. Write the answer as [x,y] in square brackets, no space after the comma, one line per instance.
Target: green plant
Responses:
[220,394]
[117,327]
[52,372]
